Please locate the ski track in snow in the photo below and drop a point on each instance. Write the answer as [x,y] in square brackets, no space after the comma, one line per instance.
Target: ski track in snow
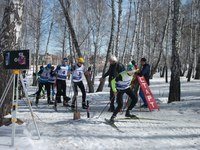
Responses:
[175,127]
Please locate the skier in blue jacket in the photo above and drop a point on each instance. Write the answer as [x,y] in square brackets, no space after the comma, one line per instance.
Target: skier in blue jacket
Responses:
[43,81]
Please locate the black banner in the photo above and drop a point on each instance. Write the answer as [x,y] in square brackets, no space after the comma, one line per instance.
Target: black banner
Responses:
[19,59]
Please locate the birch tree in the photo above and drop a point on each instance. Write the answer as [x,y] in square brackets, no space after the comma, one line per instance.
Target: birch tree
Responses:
[10,36]
[100,87]
[175,89]
[65,5]
[118,28]
[192,44]
[127,32]
[38,25]
[197,39]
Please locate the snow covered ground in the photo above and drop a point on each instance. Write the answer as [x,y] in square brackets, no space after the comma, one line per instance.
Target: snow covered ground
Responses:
[175,127]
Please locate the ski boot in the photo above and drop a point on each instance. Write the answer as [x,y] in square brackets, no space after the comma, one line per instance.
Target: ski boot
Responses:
[36,101]
[58,99]
[65,101]
[84,106]
[112,120]
[55,108]
[143,106]
[49,102]
[73,107]
[130,115]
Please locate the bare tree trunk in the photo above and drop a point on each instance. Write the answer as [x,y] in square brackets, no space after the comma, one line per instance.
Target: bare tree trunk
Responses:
[132,49]
[100,87]
[64,41]
[197,75]
[149,32]
[166,53]
[73,36]
[118,28]
[181,43]
[70,48]
[70,26]
[155,66]
[175,89]
[10,34]
[192,45]
[127,32]
[137,37]
[38,33]
[96,46]
[48,39]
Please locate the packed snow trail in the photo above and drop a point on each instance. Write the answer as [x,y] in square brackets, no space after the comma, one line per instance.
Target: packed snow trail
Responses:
[175,126]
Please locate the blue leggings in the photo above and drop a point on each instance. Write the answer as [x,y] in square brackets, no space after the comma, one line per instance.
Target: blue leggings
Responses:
[142,97]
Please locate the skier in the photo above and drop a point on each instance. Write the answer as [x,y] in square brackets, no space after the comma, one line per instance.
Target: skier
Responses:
[62,71]
[145,71]
[77,77]
[114,69]
[35,75]
[120,85]
[43,81]
[52,81]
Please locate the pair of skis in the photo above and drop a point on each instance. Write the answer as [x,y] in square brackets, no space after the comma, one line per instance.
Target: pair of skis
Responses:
[108,122]
[112,124]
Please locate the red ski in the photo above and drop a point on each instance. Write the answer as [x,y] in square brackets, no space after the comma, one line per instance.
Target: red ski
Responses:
[147,93]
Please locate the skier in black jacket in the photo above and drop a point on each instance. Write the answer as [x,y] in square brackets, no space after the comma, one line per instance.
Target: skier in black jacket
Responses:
[114,69]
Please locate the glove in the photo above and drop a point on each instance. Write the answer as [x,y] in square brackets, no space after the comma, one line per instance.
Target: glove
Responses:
[137,71]
[58,67]
[73,68]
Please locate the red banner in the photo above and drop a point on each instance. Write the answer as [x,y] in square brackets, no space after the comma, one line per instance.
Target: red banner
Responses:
[147,93]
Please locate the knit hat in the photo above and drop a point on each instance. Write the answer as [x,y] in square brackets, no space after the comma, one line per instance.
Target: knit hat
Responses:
[129,67]
[143,59]
[65,59]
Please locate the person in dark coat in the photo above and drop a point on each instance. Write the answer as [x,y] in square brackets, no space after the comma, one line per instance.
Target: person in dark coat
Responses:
[114,69]
[145,71]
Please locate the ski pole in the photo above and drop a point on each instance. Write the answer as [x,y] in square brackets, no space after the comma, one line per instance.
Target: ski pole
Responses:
[103,110]
[88,110]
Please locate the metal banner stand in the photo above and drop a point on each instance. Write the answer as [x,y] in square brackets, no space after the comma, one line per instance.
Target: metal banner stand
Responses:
[17,74]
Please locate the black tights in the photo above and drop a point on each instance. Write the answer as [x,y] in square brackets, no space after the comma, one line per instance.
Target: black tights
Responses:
[120,94]
[82,88]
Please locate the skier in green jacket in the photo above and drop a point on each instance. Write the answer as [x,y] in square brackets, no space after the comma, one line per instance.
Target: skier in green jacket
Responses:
[120,85]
